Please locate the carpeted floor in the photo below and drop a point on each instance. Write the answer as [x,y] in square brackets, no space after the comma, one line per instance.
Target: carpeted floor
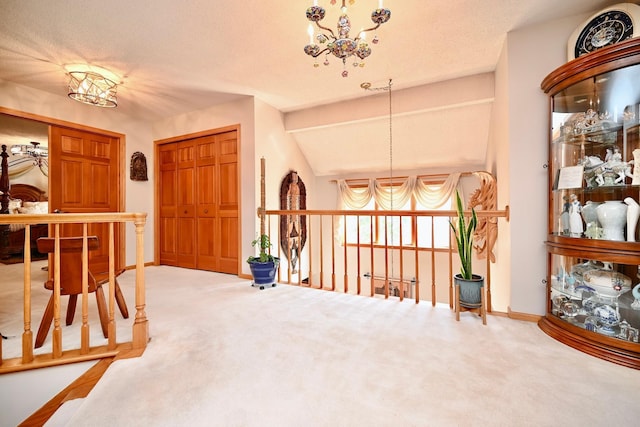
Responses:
[226,354]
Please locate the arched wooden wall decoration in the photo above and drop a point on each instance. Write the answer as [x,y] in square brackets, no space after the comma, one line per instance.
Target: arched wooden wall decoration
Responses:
[293,228]
[485,198]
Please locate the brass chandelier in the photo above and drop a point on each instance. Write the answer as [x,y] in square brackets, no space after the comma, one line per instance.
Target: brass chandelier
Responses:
[342,46]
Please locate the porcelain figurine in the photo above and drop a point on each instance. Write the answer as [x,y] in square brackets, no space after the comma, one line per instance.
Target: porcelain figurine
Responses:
[608,317]
[576,228]
[635,179]
[636,295]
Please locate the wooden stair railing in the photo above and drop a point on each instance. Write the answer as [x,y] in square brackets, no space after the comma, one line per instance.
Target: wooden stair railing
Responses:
[311,267]
[58,356]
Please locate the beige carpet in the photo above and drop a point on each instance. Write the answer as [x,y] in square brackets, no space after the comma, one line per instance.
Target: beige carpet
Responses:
[226,354]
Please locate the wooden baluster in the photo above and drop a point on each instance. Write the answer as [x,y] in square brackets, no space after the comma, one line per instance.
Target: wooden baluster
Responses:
[417,274]
[386,258]
[451,249]
[289,263]
[112,291]
[279,251]
[433,262]
[141,325]
[401,283]
[321,255]
[85,329]
[358,280]
[27,335]
[310,246]
[345,284]
[57,330]
[333,254]
[488,275]
[371,219]
[299,238]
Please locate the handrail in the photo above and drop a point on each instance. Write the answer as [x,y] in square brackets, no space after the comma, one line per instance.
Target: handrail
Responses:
[352,254]
[140,328]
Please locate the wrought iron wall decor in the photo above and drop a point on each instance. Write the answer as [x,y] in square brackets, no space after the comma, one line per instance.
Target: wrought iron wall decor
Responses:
[293,228]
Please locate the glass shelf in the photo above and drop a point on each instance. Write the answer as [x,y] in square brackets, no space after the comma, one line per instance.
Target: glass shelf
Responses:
[596,296]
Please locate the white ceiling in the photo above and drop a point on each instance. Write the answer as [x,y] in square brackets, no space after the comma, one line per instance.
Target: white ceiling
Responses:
[172,57]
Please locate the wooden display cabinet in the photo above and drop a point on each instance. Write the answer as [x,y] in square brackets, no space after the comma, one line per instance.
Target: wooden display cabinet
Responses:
[593,273]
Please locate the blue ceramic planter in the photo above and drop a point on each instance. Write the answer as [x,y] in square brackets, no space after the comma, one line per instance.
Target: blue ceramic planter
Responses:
[264,273]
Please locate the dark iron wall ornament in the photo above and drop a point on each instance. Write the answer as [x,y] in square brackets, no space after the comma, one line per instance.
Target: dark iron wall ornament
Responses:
[293,228]
[138,168]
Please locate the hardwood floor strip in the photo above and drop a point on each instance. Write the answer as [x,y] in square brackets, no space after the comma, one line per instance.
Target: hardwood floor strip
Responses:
[78,389]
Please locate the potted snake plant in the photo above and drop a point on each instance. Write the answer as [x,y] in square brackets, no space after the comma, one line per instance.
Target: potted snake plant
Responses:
[470,284]
[264,266]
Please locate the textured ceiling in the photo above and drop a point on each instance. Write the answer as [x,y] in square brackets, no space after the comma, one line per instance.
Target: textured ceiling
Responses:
[172,57]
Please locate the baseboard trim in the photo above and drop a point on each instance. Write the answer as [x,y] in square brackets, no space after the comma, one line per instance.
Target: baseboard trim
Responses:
[523,316]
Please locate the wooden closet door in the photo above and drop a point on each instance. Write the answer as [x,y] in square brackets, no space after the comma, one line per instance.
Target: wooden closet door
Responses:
[168,204]
[198,203]
[206,195]
[186,206]
[227,246]
[84,178]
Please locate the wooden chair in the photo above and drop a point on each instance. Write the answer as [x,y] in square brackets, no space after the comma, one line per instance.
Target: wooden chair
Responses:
[481,308]
[71,284]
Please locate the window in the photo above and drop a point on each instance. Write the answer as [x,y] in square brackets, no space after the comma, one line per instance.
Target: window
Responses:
[392,226]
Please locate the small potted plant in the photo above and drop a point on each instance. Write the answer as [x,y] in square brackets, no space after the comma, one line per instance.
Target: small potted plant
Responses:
[470,284]
[264,266]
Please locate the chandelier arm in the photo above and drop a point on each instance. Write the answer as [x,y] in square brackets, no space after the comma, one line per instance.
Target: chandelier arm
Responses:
[320,52]
[371,29]
[326,29]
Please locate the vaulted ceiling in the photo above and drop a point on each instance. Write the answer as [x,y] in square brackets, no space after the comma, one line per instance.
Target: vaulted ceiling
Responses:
[172,57]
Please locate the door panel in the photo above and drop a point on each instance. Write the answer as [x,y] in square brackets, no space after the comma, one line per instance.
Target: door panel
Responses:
[186,208]
[98,193]
[228,207]
[84,178]
[228,244]
[168,240]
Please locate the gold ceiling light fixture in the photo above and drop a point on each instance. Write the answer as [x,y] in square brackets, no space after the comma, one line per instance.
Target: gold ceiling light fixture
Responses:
[92,88]
[341,45]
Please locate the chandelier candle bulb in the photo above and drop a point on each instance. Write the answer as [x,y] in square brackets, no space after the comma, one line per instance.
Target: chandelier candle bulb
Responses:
[310,32]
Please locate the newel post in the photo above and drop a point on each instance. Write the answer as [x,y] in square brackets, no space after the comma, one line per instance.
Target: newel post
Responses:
[141,324]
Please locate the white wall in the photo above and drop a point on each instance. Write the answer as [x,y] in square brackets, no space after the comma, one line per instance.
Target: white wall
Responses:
[139,195]
[498,163]
[282,155]
[531,54]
